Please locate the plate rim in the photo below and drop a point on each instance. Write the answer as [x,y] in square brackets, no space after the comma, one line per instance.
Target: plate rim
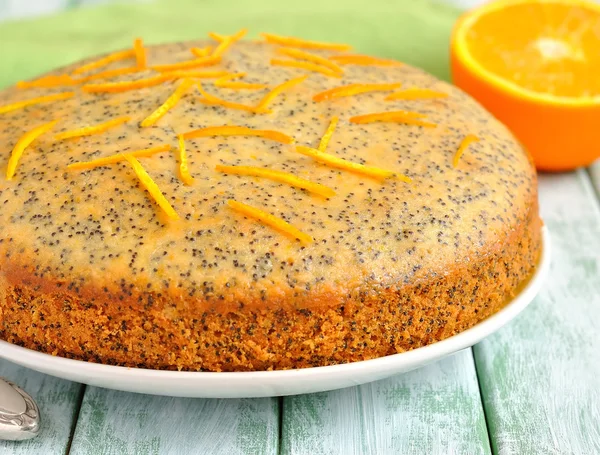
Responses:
[417,357]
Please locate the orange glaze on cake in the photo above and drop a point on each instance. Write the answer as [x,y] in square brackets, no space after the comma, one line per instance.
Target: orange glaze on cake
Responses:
[94,267]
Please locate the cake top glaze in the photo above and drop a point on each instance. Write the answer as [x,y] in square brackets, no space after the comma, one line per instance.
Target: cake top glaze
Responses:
[429,203]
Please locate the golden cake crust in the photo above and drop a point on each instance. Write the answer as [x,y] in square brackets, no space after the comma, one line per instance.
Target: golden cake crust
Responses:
[90,268]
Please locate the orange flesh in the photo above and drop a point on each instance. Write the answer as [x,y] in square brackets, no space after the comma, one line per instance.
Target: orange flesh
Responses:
[548,48]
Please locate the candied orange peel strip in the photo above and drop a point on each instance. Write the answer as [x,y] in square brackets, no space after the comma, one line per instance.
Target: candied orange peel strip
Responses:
[226,41]
[48,82]
[114,57]
[406,117]
[24,142]
[211,99]
[354,89]
[168,104]
[341,163]
[270,220]
[363,60]
[226,82]
[123,86]
[151,186]
[209,60]
[30,102]
[309,66]
[291,41]
[184,171]
[112,159]
[109,73]
[278,176]
[415,94]
[140,53]
[198,74]
[89,130]
[468,140]
[303,55]
[328,133]
[238,131]
[261,107]
[201,51]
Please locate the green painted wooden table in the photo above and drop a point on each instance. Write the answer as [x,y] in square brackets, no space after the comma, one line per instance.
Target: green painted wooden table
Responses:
[531,388]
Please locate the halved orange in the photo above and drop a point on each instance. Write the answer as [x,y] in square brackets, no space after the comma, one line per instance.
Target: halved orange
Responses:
[535,65]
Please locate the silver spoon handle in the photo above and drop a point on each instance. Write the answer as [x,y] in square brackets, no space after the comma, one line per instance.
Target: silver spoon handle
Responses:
[19,414]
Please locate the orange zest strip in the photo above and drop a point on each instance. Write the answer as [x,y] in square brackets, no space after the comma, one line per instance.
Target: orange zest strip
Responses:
[24,142]
[112,159]
[278,176]
[201,51]
[364,60]
[270,220]
[341,163]
[202,61]
[168,104]
[211,99]
[227,41]
[305,66]
[114,57]
[184,171]
[406,117]
[290,41]
[237,36]
[302,55]
[469,139]
[30,102]
[415,94]
[226,82]
[123,86]
[238,131]
[151,186]
[110,73]
[181,74]
[140,53]
[89,130]
[353,89]
[328,133]
[48,82]
[261,107]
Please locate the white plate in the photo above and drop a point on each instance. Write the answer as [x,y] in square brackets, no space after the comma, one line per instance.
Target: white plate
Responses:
[273,383]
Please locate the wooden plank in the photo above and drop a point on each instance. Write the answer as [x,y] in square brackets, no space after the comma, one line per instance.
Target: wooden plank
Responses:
[540,375]
[58,401]
[595,173]
[112,422]
[433,410]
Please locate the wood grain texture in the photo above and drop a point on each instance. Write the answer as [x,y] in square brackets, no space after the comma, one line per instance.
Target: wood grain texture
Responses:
[58,401]
[595,173]
[112,422]
[433,410]
[540,375]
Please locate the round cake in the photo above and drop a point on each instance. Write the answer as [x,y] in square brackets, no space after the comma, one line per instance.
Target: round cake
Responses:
[234,205]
